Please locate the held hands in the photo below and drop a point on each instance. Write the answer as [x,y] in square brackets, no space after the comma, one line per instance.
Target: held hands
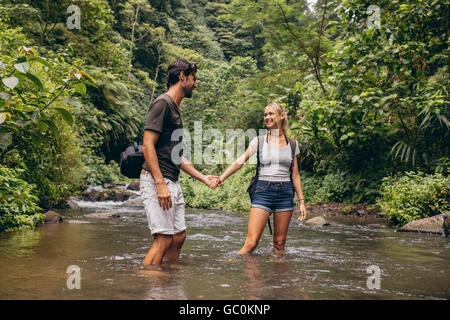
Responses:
[213,182]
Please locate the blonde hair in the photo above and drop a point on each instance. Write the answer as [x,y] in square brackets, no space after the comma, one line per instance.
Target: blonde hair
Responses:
[280,110]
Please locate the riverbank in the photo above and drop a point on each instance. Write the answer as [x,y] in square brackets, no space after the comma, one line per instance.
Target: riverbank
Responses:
[335,209]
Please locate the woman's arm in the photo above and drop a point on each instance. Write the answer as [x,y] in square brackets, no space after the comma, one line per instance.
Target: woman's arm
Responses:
[238,163]
[298,189]
[187,167]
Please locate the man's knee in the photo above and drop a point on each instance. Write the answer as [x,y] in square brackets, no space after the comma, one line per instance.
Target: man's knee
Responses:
[178,239]
[163,241]
[278,244]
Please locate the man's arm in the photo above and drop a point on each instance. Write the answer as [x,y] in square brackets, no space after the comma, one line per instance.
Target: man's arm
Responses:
[187,167]
[148,148]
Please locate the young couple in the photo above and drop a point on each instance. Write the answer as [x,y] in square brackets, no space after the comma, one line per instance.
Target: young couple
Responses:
[163,199]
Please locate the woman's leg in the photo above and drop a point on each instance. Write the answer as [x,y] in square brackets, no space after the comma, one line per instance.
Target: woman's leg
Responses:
[256,223]
[280,225]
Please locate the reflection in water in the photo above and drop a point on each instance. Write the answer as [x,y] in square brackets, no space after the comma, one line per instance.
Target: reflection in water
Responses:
[269,279]
[165,281]
[320,263]
[253,278]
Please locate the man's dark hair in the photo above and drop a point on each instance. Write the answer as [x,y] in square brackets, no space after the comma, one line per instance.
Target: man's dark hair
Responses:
[175,68]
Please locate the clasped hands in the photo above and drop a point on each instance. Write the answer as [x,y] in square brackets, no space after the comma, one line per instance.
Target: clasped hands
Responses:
[213,181]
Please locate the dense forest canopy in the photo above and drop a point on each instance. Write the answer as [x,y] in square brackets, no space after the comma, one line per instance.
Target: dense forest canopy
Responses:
[365,84]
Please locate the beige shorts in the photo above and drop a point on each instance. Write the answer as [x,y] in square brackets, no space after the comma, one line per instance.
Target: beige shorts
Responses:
[168,222]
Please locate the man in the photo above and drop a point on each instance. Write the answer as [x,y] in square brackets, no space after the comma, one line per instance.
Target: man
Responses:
[160,189]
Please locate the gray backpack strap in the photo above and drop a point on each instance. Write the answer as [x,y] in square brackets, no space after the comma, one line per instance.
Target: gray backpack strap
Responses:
[260,147]
[258,152]
[293,144]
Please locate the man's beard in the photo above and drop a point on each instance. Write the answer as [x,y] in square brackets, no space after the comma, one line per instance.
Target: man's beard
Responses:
[188,93]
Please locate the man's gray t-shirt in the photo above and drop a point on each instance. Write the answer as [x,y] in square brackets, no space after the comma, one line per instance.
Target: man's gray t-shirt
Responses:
[275,162]
[163,117]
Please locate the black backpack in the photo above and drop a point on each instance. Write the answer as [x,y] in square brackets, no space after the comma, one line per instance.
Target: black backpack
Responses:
[131,161]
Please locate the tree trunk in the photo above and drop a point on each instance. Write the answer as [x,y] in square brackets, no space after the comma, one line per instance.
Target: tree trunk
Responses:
[158,48]
[133,26]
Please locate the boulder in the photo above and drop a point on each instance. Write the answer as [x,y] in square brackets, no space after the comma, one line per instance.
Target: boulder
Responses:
[102,215]
[73,205]
[135,186]
[136,202]
[317,221]
[437,224]
[52,217]
[113,185]
[116,194]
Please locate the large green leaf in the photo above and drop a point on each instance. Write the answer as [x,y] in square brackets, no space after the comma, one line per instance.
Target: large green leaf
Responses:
[42,61]
[35,80]
[66,115]
[22,67]
[80,88]
[5,140]
[52,127]
[10,82]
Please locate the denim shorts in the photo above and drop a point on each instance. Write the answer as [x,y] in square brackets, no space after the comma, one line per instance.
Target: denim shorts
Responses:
[273,196]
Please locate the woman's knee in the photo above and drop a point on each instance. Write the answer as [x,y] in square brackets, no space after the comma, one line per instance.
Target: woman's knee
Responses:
[250,244]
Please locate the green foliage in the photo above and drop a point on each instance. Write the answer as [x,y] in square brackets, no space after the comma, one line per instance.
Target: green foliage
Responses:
[32,103]
[54,167]
[97,172]
[18,206]
[348,209]
[414,196]
[388,86]
[363,103]
[338,187]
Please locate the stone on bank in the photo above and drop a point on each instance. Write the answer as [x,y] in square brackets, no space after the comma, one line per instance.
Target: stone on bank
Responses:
[317,221]
[52,217]
[438,224]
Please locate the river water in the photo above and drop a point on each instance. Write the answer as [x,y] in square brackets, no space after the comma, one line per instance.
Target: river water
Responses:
[320,262]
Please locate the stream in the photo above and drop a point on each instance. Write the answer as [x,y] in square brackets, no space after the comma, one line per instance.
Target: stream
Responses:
[328,262]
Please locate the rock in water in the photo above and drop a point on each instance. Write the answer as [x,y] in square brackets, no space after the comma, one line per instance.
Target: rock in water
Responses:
[52,217]
[115,194]
[437,224]
[103,215]
[73,205]
[135,186]
[317,221]
[136,202]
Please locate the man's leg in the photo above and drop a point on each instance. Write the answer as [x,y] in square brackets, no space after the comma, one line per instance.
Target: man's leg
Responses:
[173,252]
[179,223]
[160,246]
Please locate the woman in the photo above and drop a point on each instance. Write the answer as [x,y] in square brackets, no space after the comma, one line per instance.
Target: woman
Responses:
[274,189]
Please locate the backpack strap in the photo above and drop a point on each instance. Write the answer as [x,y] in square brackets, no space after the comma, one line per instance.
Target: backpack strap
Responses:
[258,152]
[293,144]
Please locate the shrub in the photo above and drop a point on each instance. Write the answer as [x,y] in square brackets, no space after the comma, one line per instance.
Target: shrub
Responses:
[348,209]
[338,187]
[18,206]
[414,196]
[54,167]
